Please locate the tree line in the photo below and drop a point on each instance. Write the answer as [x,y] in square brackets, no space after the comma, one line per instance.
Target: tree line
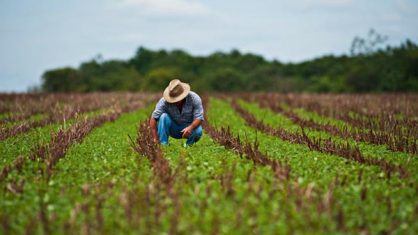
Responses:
[368,68]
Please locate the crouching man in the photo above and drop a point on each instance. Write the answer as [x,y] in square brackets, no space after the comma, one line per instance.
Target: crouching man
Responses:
[179,114]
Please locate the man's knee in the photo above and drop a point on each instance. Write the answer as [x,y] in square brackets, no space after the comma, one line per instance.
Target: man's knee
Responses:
[195,136]
[198,131]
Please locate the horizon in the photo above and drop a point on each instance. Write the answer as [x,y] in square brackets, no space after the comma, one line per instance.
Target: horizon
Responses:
[287,31]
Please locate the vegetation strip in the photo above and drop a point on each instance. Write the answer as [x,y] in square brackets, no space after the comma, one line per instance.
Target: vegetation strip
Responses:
[105,169]
[360,188]
[91,175]
[64,138]
[302,197]
[81,104]
[363,113]
[225,138]
[165,179]
[394,142]
[321,145]
[365,106]
[22,128]
[26,126]
[145,146]
[21,106]
[396,115]
[324,201]
[103,186]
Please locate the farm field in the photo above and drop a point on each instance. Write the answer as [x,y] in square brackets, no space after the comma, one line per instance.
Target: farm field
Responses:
[267,163]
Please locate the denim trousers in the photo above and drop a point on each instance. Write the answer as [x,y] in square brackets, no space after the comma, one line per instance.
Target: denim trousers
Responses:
[167,127]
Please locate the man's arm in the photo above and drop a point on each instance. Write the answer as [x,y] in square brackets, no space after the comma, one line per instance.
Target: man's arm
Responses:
[196,123]
[153,126]
[188,130]
[197,116]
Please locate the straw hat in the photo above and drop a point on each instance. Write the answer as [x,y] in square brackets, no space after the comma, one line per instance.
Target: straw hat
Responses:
[176,91]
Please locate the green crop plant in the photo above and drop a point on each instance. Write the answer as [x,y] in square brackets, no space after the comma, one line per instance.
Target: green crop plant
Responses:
[103,156]
[363,194]
[409,161]
[104,175]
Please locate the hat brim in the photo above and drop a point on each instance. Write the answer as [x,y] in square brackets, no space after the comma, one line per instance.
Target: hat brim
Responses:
[169,99]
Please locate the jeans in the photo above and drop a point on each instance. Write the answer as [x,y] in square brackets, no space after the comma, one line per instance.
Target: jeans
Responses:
[167,127]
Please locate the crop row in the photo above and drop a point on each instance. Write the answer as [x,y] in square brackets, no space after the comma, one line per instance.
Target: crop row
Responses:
[15,107]
[49,203]
[394,123]
[225,138]
[235,197]
[73,105]
[236,179]
[398,106]
[359,190]
[274,119]
[321,145]
[396,142]
[63,139]
[280,170]
[145,146]
[236,189]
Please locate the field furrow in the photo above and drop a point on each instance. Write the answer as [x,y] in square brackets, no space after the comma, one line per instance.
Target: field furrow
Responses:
[23,144]
[266,164]
[357,185]
[327,145]
[395,142]
[70,107]
[404,163]
[104,157]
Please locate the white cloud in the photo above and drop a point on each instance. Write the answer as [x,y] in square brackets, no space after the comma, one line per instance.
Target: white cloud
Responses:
[319,4]
[402,5]
[329,3]
[168,7]
[405,6]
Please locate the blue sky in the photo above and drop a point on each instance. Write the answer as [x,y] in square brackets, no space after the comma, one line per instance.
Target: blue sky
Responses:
[45,34]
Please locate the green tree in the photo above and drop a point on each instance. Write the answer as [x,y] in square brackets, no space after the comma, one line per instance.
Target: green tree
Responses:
[60,80]
[225,79]
[158,78]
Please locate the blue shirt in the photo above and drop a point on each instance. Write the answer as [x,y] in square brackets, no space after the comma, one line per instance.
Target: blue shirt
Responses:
[192,109]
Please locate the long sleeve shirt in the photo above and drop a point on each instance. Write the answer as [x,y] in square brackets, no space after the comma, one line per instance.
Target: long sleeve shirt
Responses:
[192,109]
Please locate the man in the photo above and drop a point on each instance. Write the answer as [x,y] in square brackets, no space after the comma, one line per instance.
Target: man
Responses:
[178,114]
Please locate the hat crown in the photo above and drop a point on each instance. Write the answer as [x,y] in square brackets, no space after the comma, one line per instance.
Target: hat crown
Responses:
[176,91]
[175,88]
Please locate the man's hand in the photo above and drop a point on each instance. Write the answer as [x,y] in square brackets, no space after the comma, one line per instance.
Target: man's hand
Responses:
[187,131]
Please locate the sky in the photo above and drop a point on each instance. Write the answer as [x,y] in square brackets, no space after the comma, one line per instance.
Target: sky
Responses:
[45,34]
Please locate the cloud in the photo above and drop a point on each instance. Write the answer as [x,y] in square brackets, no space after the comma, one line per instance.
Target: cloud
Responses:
[405,7]
[319,4]
[328,3]
[402,5]
[168,7]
